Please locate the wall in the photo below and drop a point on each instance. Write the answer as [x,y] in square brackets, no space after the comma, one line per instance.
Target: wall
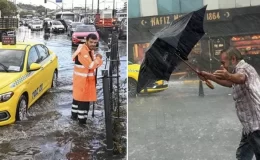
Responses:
[148,8]
[177,6]
[168,6]
[134,9]
[255,2]
[142,8]
[223,4]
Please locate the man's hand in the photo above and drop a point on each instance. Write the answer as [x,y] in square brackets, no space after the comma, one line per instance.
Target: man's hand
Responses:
[99,55]
[204,75]
[201,76]
[222,74]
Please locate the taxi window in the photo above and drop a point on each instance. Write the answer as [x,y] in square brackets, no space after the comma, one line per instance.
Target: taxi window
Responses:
[33,56]
[11,60]
[43,52]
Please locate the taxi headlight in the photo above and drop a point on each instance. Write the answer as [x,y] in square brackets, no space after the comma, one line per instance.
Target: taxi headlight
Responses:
[6,96]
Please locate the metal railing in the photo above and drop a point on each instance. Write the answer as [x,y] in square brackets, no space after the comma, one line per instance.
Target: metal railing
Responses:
[111,96]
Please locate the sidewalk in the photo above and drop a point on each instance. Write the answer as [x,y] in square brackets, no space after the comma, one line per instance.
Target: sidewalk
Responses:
[178,125]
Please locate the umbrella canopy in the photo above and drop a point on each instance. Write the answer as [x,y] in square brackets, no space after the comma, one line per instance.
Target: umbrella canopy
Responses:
[169,47]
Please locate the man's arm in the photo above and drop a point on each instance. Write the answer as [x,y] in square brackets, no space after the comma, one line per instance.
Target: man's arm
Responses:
[76,52]
[225,83]
[238,78]
[209,76]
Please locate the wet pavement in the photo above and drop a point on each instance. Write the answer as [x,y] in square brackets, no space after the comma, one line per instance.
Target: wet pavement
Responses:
[49,133]
[178,124]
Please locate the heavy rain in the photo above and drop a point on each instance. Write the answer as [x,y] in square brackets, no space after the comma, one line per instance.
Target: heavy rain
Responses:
[177,116]
[48,131]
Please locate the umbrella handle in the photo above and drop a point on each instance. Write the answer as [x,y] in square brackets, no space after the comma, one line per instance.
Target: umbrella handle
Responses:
[209,84]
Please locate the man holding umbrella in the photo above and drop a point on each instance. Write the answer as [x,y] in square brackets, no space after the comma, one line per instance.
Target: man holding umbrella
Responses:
[243,78]
[84,80]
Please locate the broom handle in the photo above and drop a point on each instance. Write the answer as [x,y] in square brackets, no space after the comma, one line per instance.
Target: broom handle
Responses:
[93,114]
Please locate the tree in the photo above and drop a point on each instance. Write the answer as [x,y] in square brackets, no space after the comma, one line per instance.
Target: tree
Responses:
[7,8]
[24,13]
[125,7]
[40,9]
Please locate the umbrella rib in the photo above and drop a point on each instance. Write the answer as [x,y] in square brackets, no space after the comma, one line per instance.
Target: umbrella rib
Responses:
[151,32]
[186,63]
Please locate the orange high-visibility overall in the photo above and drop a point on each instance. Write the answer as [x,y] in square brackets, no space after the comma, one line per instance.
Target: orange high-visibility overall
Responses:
[84,80]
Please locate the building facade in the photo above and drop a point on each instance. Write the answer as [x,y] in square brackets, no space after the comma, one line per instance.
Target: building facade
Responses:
[227,23]
[143,8]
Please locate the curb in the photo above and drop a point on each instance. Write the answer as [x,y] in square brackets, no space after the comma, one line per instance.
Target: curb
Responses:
[193,83]
[185,82]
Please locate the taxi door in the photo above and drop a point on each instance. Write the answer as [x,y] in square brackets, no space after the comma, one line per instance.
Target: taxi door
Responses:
[35,81]
[47,65]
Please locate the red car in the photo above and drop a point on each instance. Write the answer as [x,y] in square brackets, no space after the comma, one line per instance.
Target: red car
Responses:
[81,32]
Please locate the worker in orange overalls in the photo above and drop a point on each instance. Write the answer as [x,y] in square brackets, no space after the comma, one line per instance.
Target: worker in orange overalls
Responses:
[84,80]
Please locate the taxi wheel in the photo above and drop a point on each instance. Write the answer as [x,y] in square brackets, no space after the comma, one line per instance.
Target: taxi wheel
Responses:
[54,80]
[132,88]
[22,106]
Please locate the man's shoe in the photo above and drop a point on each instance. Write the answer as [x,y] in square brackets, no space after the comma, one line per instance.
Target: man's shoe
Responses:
[74,118]
[82,122]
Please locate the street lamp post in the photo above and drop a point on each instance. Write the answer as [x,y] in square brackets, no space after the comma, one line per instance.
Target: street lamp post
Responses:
[62,6]
[92,6]
[85,7]
[98,7]
[72,5]
[114,9]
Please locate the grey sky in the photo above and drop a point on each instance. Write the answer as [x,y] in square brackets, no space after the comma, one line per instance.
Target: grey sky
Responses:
[67,4]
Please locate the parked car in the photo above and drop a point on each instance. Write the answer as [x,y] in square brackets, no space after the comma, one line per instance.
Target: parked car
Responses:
[26,21]
[57,27]
[81,32]
[36,26]
[133,73]
[64,23]
[72,27]
[122,29]
[68,22]
[28,70]
[20,23]
[29,24]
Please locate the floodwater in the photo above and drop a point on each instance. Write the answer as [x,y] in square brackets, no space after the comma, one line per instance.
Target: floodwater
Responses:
[179,123]
[49,133]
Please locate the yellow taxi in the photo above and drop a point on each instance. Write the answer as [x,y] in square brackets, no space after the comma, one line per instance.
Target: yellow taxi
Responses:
[133,73]
[27,70]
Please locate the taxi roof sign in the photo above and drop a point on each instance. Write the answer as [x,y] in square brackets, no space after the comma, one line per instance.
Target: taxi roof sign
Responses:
[8,40]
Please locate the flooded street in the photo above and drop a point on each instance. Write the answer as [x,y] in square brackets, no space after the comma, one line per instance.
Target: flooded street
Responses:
[49,133]
[178,122]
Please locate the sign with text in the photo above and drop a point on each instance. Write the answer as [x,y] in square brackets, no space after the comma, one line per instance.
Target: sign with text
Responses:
[58,1]
[210,16]
[8,40]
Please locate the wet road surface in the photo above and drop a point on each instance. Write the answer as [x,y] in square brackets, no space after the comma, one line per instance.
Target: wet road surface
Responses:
[49,133]
[177,124]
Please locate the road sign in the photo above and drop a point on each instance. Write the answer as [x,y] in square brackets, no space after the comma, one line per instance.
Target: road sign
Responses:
[11,40]
[58,1]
